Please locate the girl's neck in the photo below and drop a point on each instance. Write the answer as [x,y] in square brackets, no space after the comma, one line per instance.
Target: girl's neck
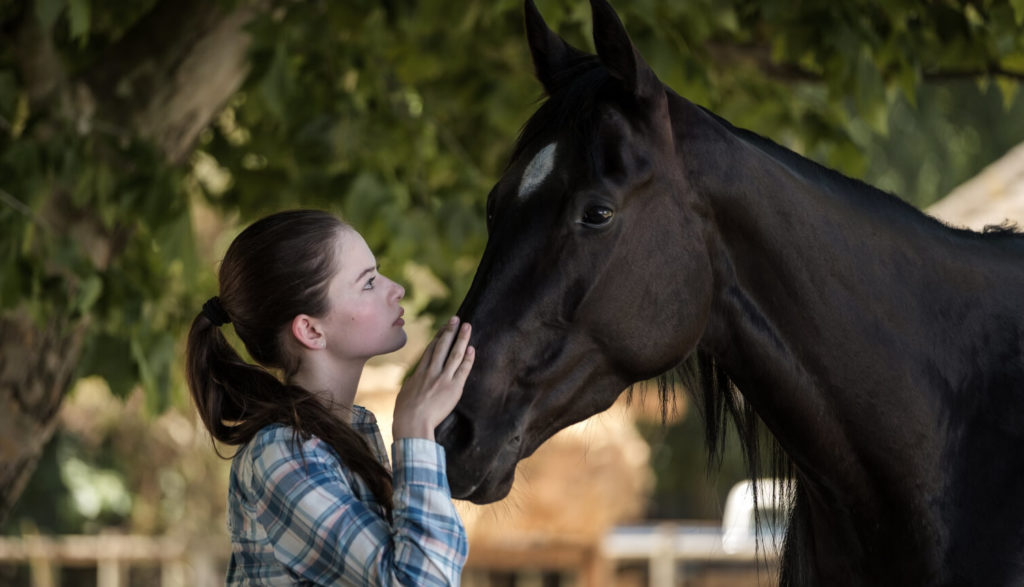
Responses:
[334,383]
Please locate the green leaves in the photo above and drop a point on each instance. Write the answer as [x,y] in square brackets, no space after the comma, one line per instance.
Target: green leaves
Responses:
[79,19]
[400,117]
[78,12]
[1018,11]
[47,11]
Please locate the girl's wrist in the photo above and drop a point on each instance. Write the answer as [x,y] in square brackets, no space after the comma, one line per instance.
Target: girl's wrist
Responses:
[400,431]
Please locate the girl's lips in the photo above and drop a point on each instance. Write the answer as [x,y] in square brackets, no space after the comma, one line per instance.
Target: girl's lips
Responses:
[400,321]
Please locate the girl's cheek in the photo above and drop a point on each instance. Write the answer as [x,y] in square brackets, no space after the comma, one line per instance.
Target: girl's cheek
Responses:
[359,314]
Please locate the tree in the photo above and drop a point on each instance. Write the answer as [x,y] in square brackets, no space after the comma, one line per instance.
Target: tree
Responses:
[121,119]
[100,110]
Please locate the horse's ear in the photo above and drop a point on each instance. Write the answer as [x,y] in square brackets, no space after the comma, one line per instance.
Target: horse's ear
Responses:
[618,53]
[551,54]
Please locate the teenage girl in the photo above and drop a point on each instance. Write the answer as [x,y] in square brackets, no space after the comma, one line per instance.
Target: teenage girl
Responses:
[313,499]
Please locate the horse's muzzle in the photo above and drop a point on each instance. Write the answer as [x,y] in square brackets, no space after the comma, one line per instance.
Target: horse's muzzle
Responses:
[477,472]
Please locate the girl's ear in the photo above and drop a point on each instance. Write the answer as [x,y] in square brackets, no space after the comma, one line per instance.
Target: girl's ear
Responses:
[306,330]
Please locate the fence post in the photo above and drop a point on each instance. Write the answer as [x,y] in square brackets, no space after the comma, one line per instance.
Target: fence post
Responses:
[662,567]
[172,574]
[41,568]
[42,573]
[205,572]
[108,573]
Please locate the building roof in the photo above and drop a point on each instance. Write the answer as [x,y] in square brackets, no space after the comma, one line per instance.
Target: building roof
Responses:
[992,197]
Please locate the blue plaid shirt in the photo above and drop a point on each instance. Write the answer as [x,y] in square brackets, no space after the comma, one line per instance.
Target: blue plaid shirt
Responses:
[316,523]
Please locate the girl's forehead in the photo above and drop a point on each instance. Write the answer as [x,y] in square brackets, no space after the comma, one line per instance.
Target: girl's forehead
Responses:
[353,254]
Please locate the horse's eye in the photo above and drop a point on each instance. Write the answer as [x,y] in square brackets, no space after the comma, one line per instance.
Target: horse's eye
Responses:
[597,216]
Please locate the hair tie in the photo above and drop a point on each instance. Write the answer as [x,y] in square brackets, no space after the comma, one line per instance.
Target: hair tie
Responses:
[215,313]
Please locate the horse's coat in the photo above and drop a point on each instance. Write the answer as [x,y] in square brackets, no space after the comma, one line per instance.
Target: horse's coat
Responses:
[883,350]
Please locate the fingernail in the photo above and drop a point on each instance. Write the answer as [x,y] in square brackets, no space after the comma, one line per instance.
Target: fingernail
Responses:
[454,320]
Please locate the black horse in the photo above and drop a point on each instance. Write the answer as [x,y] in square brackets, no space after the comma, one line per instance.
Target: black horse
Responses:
[635,232]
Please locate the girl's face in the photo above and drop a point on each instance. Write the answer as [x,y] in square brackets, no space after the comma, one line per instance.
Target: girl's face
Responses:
[365,318]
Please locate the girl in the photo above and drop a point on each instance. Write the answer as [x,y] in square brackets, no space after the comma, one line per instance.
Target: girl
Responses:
[312,500]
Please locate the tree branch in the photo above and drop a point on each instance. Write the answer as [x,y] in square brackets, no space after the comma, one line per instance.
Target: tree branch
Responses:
[38,62]
[172,73]
[758,56]
[988,71]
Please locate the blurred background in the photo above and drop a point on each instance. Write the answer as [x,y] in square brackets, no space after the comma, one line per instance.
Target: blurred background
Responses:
[137,137]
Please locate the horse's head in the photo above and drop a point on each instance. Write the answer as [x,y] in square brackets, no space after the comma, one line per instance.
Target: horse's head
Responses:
[595,274]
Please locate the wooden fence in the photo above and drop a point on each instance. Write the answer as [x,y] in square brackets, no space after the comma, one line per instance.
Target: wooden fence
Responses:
[179,563]
[663,555]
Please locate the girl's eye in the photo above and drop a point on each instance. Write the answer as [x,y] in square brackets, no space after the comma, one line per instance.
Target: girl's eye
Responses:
[369,284]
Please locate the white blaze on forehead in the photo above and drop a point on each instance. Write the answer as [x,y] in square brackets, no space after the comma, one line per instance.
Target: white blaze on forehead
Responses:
[538,169]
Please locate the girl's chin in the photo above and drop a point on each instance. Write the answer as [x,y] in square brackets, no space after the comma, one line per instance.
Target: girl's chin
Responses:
[402,339]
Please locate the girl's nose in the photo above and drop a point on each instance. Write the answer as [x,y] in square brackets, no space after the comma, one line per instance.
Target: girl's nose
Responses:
[399,291]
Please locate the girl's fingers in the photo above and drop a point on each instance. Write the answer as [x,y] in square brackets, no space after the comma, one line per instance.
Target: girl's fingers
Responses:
[462,372]
[444,343]
[458,350]
[428,353]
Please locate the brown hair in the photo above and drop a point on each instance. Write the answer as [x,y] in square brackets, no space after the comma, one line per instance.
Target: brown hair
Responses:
[278,267]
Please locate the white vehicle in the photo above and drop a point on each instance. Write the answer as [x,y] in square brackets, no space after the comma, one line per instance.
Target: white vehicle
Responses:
[673,551]
[741,528]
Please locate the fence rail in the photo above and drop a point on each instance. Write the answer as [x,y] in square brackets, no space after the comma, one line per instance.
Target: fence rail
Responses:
[665,554]
[181,563]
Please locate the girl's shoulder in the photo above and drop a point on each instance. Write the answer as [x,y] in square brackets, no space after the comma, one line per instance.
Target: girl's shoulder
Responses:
[276,452]
[283,441]
[272,433]
[276,446]
[363,420]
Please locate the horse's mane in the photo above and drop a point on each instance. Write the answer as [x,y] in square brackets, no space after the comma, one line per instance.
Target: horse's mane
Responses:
[825,177]
[867,193]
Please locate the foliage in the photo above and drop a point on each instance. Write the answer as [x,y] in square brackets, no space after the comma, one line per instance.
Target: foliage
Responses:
[400,115]
[954,128]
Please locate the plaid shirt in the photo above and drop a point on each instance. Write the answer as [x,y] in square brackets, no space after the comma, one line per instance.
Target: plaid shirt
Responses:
[316,523]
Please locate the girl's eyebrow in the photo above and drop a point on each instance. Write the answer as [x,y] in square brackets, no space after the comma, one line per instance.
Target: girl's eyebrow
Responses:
[365,271]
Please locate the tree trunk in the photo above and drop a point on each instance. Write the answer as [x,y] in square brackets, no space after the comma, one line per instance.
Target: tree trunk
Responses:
[164,81]
[167,78]
[35,371]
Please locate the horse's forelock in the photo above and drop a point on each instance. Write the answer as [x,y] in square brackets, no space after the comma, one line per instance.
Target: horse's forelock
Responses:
[570,108]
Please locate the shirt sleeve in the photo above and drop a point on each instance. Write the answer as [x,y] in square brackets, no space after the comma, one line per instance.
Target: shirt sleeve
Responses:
[323,533]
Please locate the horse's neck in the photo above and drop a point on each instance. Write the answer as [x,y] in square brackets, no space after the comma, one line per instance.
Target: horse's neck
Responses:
[834,312]
[882,349]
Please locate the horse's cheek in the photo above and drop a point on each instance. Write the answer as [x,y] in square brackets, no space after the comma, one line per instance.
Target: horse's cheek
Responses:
[681,315]
[653,324]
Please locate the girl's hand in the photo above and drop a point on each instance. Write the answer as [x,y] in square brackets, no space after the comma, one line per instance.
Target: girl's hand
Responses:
[432,391]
